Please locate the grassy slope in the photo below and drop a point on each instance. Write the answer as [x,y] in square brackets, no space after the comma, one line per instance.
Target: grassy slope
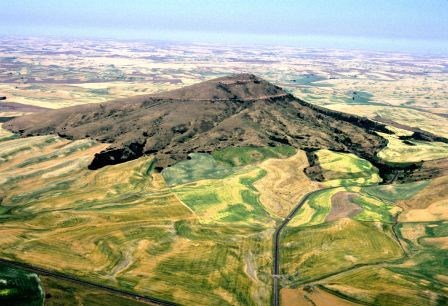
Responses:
[334,247]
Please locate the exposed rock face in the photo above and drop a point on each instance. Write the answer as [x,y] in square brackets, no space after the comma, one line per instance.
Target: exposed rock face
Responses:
[239,110]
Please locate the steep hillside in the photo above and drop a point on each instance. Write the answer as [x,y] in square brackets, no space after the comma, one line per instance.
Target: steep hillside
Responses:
[239,110]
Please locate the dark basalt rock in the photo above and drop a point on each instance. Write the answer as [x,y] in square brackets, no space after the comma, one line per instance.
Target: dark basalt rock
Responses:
[424,136]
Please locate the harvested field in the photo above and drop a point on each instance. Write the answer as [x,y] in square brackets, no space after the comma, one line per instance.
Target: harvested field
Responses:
[313,296]
[342,206]
[380,286]
[284,184]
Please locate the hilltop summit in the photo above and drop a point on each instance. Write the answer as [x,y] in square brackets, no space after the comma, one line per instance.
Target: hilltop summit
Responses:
[202,118]
[234,87]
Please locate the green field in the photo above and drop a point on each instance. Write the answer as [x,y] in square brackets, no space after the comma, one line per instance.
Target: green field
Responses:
[233,199]
[345,169]
[220,163]
[199,166]
[418,279]
[314,252]
[240,156]
[315,210]
[393,193]
[400,151]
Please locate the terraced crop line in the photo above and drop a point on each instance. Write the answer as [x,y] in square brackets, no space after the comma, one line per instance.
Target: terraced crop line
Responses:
[73,279]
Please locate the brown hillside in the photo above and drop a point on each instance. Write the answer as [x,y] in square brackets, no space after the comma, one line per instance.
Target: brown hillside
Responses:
[240,110]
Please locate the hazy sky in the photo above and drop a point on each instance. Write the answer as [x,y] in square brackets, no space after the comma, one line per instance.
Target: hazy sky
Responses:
[311,21]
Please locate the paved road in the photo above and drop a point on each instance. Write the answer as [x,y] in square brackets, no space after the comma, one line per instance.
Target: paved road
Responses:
[73,279]
[278,230]
[276,271]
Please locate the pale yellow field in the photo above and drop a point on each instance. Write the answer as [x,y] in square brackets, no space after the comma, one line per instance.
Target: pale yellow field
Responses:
[314,297]
[284,184]
[409,117]
[437,211]
[434,197]
[346,169]
[397,151]
[4,133]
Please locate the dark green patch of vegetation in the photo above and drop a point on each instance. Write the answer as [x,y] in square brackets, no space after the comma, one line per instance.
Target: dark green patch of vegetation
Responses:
[248,181]
[19,287]
[99,91]
[10,137]
[236,212]
[5,119]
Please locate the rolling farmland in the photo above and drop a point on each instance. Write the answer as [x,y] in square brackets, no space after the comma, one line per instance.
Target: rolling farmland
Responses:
[371,245]
[202,230]
[211,219]
[139,233]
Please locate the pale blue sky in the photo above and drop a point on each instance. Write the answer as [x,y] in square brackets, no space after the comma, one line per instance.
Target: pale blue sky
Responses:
[314,22]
